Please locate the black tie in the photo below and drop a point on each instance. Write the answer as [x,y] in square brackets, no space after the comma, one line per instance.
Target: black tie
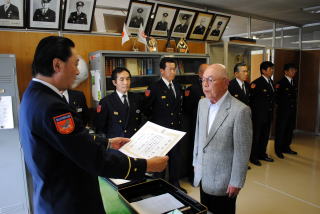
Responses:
[271,85]
[291,82]
[243,89]
[126,106]
[171,91]
[64,99]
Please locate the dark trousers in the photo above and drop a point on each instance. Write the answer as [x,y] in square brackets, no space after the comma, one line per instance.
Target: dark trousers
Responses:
[285,124]
[261,132]
[218,204]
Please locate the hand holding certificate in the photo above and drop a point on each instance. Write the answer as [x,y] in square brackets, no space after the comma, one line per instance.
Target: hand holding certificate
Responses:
[152,140]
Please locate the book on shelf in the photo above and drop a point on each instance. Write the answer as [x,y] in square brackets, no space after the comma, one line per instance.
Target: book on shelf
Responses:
[136,66]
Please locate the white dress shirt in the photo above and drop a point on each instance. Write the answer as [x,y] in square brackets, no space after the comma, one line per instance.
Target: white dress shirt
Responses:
[241,83]
[122,98]
[167,84]
[289,78]
[213,109]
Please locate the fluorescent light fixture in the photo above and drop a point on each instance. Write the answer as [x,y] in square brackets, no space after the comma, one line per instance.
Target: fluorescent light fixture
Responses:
[313,10]
[307,42]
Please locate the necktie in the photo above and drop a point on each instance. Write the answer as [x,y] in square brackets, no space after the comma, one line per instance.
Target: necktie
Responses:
[243,89]
[171,91]
[6,7]
[64,99]
[126,105]
[271,84]
[291,82]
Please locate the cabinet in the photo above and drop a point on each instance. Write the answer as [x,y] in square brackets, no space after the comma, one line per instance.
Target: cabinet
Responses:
[230,53]
[144,68]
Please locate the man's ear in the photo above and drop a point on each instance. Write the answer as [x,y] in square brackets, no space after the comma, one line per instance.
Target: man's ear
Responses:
[56,64]
[114,82]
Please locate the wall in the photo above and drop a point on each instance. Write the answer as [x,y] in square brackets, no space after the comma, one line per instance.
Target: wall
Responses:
[23,45]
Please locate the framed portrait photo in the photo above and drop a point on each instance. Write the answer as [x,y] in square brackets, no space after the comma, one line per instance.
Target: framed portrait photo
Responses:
[200,26]
[138,14]
[12,13]
[78,15]
[44,14]
[218,26]
[163,20]
[183,23]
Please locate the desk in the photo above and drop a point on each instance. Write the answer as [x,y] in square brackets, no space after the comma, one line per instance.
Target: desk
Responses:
[112,203]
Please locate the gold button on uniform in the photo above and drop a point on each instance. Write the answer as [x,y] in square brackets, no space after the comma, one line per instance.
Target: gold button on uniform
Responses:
[120,121]
[135,169]
[171,114]
[125,131]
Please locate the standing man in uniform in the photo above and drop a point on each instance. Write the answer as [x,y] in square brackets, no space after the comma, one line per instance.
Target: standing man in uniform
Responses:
[9,11]
[78,102]
[62,157]
[119,114]
[137,20]
[262,94]
[192,95]
[286,98]
[78,17]
[44,14]
[163,104]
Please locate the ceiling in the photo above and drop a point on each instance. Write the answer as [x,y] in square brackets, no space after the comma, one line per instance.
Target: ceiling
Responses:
[286,11]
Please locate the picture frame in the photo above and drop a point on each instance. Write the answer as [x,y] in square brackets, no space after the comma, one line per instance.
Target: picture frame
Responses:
[183,22]
[78,15]
[163,20]
[44,14]
[218,27]
[201,25]
[13,15]
[138,13]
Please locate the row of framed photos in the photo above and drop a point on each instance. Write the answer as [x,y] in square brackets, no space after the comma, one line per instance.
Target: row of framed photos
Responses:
[181,22]
[47,14]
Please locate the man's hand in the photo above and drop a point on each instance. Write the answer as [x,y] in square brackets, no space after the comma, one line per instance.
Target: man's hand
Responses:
[118,142]
[157,164]
[233,191]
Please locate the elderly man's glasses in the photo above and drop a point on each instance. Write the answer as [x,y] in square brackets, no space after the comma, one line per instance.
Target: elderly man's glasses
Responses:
[206,80]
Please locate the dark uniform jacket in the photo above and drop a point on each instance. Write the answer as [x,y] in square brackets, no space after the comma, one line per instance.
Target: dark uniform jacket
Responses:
[162,26]
[11,13]
[161,108]
[48,16]
[192,96]
[262,99]
[78,101]
[74,18]
[63,159]
[236,91]
[136,22]
[181,28]
[199,29]
[111,118]
[286,96]
[215,32]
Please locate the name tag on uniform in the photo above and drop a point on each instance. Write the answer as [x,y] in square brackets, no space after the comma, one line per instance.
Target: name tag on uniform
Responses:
[163,97]
[236,95]
[264,90]
[116,113]
[79,109]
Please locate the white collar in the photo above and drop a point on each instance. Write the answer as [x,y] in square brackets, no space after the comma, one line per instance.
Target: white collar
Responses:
[218,104]
[289,78]
[121,94]
[52,87]
[166,82]
[240,82]
[266,78]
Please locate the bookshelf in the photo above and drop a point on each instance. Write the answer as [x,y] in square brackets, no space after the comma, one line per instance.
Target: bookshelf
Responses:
[144,67]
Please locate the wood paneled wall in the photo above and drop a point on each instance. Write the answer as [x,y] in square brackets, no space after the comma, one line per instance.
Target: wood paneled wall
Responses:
[283,57]
[23,45]
[308,102]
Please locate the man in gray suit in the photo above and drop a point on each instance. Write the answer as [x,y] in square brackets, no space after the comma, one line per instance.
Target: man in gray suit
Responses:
[222,143]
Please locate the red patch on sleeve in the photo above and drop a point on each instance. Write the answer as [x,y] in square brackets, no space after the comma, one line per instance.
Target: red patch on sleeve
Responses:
[147,93]
[98,108]
[64,123]
[187,93]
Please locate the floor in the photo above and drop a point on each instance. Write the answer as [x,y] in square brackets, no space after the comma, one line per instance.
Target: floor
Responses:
[286,186]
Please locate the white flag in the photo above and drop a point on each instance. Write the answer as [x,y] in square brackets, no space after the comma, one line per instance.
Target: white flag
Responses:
[142,36]
[125,34]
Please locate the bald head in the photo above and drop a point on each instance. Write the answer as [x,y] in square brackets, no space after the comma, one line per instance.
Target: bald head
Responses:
[202,68]
[215,82]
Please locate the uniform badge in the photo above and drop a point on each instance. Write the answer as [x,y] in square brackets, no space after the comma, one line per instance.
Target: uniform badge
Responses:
[147,93]
[187,93]
[98,108]
[264,90]
[116,113]
[64,123]
[278,86]
[79,110]
[138,111]
[253,85]
[236,95]
[163,97]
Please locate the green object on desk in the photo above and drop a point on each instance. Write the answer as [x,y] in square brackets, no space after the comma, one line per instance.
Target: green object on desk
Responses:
[112,202]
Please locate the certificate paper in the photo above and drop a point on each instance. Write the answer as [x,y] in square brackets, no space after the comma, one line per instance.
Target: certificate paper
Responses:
[152,140]
[6,115]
